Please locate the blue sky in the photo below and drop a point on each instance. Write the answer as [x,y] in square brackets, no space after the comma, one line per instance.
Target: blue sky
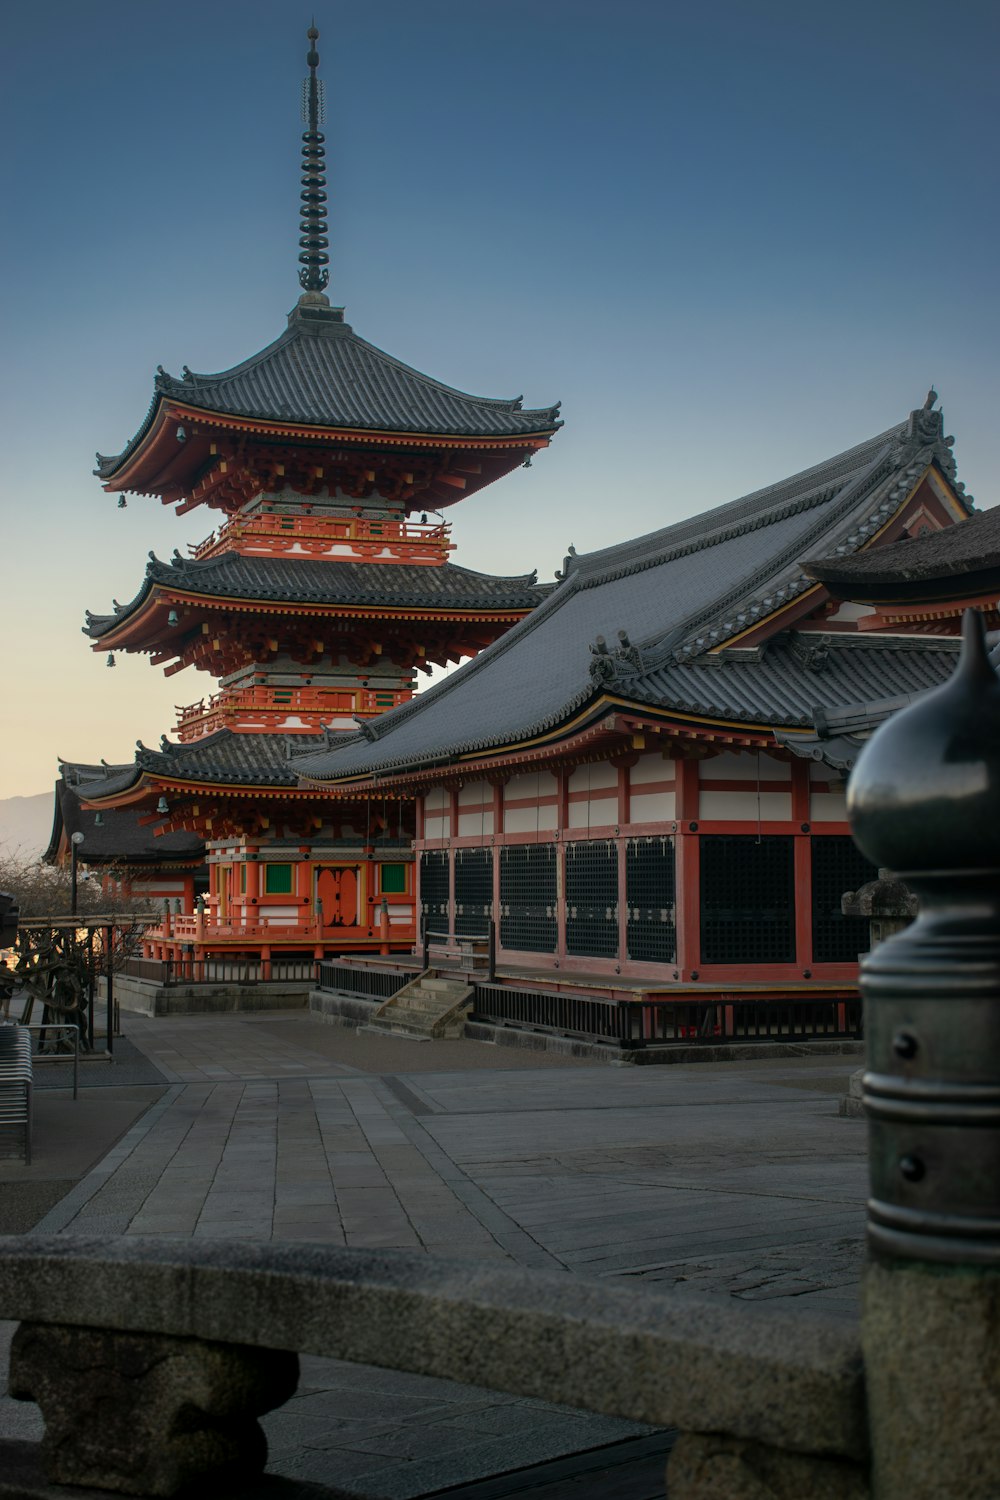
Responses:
[732,239]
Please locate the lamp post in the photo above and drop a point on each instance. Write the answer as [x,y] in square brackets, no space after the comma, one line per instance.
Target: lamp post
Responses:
[74,844]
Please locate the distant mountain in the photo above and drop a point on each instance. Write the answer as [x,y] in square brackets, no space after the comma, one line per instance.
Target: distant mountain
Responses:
[26,824]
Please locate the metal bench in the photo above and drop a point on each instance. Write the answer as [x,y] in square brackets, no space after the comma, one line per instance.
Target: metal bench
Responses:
[15,1084]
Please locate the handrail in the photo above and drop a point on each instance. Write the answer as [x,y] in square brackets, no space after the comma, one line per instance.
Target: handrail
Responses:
[58,1056]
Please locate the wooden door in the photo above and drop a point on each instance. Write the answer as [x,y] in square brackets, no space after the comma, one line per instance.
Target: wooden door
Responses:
[337,895]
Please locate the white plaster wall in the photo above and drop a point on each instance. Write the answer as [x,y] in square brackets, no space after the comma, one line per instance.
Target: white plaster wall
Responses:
[593,777]
[480,821]
[828,807]
[437,814]
[535,784]
[745,806]
[475,794]
[652,807]
[732,765]
[529,819]
[651,768]
[532,784]
[596,813]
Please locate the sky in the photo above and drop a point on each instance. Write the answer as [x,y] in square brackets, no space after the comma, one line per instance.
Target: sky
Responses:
[733,239]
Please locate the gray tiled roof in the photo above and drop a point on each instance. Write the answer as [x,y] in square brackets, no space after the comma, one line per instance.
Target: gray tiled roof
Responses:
[840,733]
[780,688]
[677,594]
[312,580]
[250,759]
[971,547]
[320,373]
[119,838]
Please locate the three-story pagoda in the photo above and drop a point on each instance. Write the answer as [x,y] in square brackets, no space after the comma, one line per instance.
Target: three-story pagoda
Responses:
[323,591]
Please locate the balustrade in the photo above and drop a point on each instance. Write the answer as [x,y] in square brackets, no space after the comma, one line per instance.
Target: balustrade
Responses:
[379,541]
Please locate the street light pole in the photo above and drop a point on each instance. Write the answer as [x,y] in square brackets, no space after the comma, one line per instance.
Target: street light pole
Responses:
[75,841]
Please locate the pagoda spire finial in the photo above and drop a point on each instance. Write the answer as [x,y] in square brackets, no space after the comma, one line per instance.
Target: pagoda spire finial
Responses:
[313,243]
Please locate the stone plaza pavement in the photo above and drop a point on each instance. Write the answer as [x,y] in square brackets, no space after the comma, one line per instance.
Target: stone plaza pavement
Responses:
[737,1179]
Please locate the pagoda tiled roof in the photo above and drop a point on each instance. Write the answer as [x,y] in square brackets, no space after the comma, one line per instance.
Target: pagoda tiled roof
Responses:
[669,603]
[278,580]
[968,549]
[222,758]
[119,838]
[320,373]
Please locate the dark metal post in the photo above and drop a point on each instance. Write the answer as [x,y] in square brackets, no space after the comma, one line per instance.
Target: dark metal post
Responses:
[91,984]
[492,959]
[924,801]
[76,840]
[109,941]
[425,942]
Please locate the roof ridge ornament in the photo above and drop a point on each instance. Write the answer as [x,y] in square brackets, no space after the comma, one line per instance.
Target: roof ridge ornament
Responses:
[313,243]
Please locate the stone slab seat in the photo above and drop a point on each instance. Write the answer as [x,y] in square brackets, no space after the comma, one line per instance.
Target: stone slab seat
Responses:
[706,1366]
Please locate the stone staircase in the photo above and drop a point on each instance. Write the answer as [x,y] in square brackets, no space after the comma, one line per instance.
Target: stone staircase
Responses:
[432,1005]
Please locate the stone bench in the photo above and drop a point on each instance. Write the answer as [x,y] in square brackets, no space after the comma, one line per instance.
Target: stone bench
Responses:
[202,1336]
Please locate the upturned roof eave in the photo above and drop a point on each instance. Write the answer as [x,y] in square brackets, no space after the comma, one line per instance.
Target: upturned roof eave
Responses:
[125,470]
[916,584]
[149,783]
[564,739]
[103,630]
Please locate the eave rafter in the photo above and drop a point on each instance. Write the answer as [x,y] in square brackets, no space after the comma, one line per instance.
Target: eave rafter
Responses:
[219,809]
[620,729]
[193,457]
[213,632]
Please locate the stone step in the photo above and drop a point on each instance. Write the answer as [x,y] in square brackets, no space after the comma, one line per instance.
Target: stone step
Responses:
[441,986]
[430,1005]
[386,1028]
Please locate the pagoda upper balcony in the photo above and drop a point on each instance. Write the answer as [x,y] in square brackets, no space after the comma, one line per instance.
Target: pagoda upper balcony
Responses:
[345,538]
[283,710]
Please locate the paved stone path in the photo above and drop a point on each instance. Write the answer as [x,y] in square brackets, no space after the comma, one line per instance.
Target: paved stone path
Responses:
[735,1179]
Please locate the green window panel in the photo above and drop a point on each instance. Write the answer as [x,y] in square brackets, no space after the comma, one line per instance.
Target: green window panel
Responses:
[393,879]
[277,880]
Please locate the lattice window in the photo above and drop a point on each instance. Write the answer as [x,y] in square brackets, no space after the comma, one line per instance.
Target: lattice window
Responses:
[747,900]
[528,897]
[434,889]
[837,866]
[592,898]
[650,884]
[473,891]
